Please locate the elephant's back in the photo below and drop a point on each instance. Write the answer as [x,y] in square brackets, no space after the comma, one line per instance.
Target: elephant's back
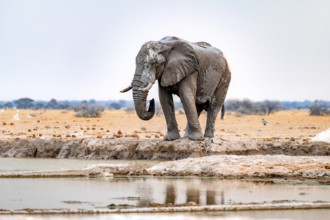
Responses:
[212,66]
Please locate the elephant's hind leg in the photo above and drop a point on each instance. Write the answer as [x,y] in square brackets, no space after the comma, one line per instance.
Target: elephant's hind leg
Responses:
[211,117]
[213,110]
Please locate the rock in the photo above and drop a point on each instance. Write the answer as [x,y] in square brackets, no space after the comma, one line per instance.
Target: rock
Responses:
[254,166]
[323,136]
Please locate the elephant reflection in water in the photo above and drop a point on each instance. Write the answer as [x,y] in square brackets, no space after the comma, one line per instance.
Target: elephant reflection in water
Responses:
[210,197]
[193,195]
[170,194]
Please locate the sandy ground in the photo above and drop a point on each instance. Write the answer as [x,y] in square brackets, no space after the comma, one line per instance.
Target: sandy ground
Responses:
[60,124]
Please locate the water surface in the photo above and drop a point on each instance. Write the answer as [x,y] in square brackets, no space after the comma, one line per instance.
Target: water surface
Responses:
[105,193]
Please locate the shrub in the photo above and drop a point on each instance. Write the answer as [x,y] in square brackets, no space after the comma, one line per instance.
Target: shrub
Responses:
[24,103]
[247,107]
[88,110]
[318,109]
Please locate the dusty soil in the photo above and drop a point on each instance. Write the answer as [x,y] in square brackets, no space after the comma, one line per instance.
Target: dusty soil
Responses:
[121,135]
[294,125]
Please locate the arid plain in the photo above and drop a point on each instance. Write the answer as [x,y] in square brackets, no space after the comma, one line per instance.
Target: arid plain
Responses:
[59,124]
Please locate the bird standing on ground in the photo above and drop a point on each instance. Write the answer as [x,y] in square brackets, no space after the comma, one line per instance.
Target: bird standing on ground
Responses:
[265,122]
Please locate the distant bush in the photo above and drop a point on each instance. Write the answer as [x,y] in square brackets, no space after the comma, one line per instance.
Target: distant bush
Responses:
[317,108]
[8,105]
[24,103]
[88,110]
[115,106]
[247,107]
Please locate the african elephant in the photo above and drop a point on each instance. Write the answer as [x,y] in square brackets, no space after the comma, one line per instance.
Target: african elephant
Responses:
[197,72]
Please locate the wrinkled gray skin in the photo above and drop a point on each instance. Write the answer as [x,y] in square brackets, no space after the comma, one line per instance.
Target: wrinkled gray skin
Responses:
[197,72]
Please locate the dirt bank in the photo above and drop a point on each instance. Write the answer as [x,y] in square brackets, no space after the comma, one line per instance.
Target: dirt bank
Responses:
[235,159]
[94,148]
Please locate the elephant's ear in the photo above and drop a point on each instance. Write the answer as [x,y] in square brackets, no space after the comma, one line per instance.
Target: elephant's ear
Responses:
[181,62]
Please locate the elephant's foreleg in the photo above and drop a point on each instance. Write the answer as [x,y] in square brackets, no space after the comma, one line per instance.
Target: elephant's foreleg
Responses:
[166,101]
[199,109]
[188,98]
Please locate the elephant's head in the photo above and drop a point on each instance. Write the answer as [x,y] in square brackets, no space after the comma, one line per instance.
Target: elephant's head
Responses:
[168,60]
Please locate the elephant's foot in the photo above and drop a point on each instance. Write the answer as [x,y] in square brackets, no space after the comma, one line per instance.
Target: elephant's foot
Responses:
[172,135]
[195,135]
[209,133]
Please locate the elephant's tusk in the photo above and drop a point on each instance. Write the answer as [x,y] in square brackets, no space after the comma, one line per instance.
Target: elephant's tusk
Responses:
[127,89]
[147,88]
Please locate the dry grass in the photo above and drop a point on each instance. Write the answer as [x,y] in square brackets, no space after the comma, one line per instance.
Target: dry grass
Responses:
[293,125]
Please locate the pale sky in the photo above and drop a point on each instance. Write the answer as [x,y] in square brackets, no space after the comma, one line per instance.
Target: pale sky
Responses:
[85,49]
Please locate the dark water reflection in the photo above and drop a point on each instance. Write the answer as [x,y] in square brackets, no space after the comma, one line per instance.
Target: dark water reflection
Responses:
[193,195]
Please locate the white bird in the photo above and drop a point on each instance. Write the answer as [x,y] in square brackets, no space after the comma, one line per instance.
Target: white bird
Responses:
[15,117]
[265,122]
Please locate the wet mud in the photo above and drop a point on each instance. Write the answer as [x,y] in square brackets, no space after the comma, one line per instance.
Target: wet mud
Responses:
[183,209]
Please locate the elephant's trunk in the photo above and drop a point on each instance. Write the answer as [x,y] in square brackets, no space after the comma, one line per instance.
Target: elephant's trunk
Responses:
[140,98]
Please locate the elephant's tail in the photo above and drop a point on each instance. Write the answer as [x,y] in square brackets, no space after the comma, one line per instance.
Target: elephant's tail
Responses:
[223,111]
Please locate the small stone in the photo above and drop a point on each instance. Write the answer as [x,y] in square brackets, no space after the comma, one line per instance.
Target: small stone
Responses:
[277,144]
[191,203]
